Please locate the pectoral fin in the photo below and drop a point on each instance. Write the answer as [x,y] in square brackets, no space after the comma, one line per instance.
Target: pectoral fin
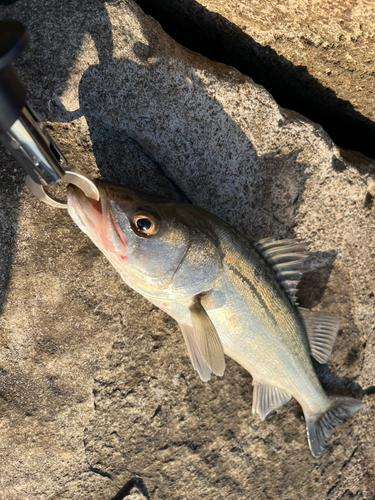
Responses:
[207,338]
[197,360]
[267,398]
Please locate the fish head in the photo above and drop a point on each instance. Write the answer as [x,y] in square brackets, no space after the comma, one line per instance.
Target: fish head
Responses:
[153,243]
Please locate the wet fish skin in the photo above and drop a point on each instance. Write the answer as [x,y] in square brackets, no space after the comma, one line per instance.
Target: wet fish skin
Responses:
[220,290]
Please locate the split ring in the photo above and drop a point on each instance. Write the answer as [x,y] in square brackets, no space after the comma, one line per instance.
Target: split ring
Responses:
[76,178]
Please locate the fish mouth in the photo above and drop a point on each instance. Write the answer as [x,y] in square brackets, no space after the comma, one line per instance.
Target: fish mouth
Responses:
[96,219]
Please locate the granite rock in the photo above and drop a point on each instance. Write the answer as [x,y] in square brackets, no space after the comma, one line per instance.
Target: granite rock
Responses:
[96,387]
[314,57]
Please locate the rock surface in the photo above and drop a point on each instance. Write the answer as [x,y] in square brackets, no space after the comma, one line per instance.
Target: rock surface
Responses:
[317,58]
[96,385]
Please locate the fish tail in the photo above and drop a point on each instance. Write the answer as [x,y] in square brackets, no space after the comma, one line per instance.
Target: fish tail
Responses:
[320,427]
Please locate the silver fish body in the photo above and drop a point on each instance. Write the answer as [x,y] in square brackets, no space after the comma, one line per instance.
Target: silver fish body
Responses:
[224,295]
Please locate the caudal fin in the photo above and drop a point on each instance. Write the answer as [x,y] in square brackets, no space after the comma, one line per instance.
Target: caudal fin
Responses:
[320,427]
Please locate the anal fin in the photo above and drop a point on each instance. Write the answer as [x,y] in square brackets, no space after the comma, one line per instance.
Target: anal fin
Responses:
[207,338]
[267,398]
[321,331]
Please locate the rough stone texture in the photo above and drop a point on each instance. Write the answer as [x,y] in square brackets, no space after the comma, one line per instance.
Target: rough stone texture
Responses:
[96,385]
[334,41]
[317,58]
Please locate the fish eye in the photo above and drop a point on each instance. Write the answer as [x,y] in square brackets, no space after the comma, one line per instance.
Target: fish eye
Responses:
[146,223]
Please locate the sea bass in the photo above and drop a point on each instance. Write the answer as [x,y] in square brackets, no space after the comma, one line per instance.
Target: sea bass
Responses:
[228,295]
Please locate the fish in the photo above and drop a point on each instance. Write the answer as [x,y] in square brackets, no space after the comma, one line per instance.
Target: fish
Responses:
[229,296]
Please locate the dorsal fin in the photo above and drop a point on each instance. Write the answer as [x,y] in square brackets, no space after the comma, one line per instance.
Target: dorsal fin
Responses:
[321,331]
[207,338]
[286,257]
[267,398]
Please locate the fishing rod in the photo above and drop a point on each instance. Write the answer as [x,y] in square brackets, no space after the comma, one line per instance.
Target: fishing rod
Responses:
[22,132]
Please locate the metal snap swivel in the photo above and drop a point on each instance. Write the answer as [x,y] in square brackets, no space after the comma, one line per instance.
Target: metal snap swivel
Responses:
[76,178]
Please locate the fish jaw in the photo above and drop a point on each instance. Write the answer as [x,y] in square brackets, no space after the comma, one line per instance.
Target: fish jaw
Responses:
[95,219]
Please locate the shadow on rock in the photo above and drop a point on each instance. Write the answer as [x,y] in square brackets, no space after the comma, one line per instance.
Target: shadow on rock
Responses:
[314,281]
[210,34]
